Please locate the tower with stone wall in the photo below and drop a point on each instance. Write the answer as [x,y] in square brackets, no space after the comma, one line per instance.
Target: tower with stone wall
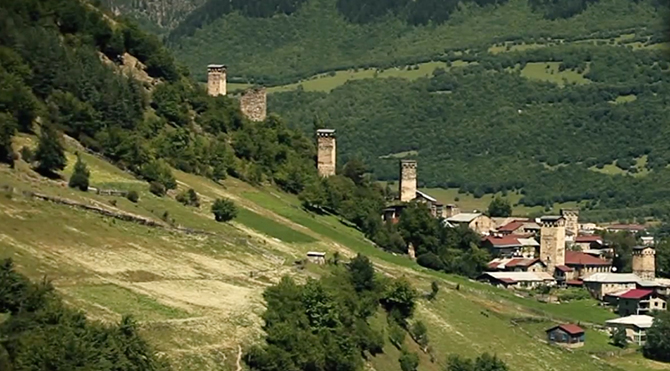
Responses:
[216,79]
[571,217]
[644,262]
[407,184]
[253,104]
[552,242]
[326,152]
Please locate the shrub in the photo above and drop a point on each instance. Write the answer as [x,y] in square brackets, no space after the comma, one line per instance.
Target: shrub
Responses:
[26,154]
[409,361]
[157,188]
[396,334]
[430,260]
[80,175]
[224,210]
[420,333]
[189,198]
[132,196]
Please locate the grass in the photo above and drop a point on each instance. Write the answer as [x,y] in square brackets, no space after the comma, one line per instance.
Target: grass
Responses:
[332,80]
[271,228]
[624,99]
[468,202]
[548,71]
[124,301]
[613,169]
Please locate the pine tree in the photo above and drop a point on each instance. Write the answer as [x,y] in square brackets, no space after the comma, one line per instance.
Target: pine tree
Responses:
[7,130]
[50,153]
[80,175]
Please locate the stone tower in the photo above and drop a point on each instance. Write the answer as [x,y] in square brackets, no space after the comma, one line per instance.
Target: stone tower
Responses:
[552,242]
[253,104]
[644,262]
[216,79]
[407,184]
[571,217]
[326,152]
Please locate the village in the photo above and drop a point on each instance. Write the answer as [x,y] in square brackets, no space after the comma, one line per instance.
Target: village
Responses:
[552,251]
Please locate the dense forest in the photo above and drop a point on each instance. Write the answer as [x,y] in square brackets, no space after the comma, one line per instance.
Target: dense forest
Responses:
[485,128]
[319,38]
[59,62]
[39,332]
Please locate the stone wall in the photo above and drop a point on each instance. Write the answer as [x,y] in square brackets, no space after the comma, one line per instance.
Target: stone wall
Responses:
[327,152]
[644,263]
[571,220]
[552,243]
[407,184]
[253,104]
[216,80]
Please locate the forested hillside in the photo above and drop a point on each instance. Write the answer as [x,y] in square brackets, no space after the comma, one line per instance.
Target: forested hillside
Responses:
[488,128]
[325,35]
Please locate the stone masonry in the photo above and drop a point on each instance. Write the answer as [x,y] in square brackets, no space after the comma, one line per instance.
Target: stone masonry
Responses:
[571,221]
[552,242]
[253,104]
[216,79]
[644,262]
[327,152]
[407,184]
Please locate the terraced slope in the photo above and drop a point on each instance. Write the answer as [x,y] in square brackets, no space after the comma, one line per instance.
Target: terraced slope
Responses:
[195,285]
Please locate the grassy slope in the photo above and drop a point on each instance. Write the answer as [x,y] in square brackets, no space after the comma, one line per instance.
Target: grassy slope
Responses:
[198,296]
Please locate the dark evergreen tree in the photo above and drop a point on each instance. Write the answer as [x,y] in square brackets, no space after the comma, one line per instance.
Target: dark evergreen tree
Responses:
[80,175]
[224,210]
[50,153]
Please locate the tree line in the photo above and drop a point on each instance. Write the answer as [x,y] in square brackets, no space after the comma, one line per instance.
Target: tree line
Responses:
[40,332]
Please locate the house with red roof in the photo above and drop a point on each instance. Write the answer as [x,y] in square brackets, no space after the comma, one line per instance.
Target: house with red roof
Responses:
[589,242]
[640,301]
[511,246]
[584,265]
[519,227]
[567,335]
[517,265]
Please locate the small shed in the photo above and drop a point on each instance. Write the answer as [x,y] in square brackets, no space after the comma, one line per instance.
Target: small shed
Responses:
[568,335]
[316,257]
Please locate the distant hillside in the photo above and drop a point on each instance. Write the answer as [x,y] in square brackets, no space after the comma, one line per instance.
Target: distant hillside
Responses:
[319,37]
[157,16]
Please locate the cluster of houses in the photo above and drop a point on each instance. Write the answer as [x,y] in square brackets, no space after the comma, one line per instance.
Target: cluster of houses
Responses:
[556,251]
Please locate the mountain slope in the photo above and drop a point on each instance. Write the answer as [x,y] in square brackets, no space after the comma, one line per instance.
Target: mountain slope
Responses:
[317,38]
[197,296]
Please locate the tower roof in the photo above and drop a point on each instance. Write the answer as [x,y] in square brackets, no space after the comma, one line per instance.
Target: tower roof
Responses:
[214,66]
[326,131]
[642,247]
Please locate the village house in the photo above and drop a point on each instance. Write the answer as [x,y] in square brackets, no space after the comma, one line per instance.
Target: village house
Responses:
[517,265]
[640,301]
[478,222]
[519,227]
[601,284]
[588,242]
[636,327]
[316,257]
[511,246]
[567,335]
[632,228]
[519,280]
[585,265]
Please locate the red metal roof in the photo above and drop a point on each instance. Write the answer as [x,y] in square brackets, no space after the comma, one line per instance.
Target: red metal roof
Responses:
[627,227]
[511,226]
[569,328]
[503,240]
[574,282]
[636,294]
[580,258]
[564,268]
[589,239]
[522,262]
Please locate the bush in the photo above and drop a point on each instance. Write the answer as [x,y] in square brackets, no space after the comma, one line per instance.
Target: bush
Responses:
[133,197]
[396,334]
[157,188]
[189,198]
[420,333]
[224,210]
[409,361]
[80,175]
[430,260]
[26,154]
[619,339]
